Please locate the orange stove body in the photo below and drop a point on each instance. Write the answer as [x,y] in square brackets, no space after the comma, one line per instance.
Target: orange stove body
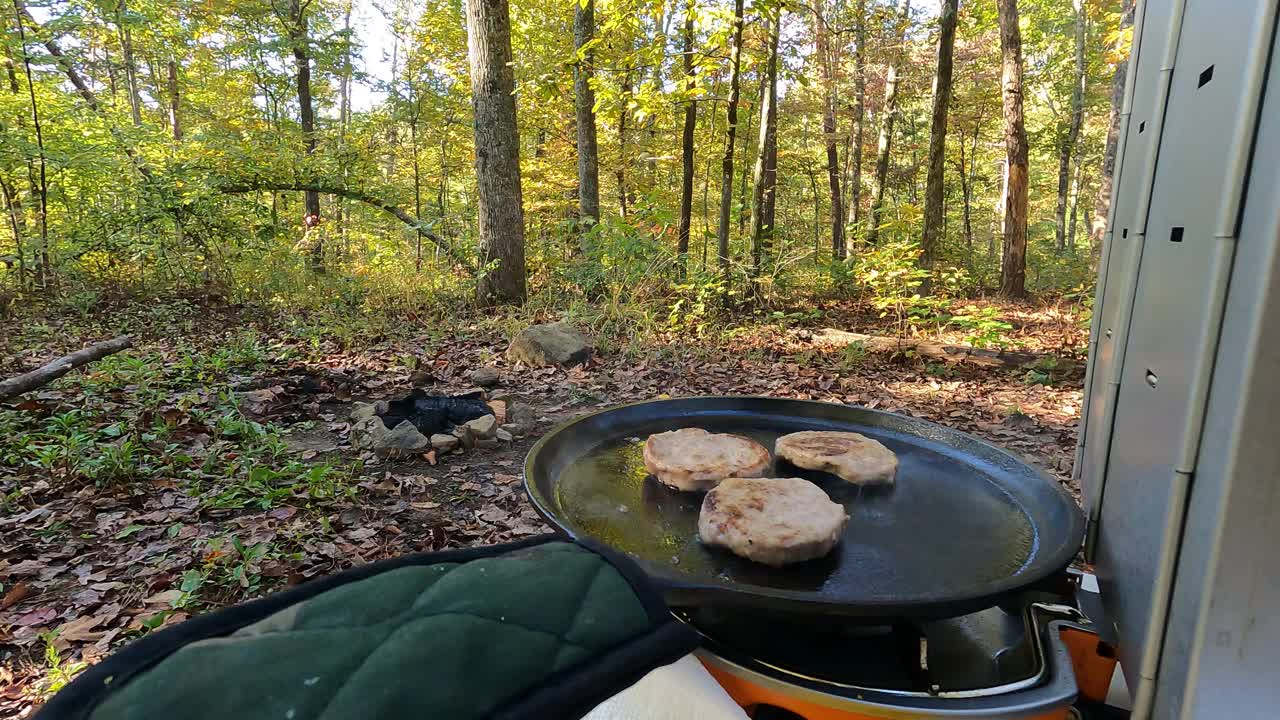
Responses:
[1093,662]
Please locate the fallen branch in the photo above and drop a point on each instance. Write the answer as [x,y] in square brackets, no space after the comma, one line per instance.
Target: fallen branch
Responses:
[48,373]
[937,351]
[358,196]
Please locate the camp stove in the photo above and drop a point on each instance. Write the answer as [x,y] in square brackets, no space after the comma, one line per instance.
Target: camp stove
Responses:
[1028,658]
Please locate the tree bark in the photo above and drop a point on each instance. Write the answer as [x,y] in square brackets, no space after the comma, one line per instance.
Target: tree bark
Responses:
[175,99]
[46,374]
[966,194]
[130,68]
[747,161]
[766,171]
[890,114]
[1075,207]
[826,63]
[42,189]
[497,143]
[300,41]
[584,102]
[1013,268]
[344,119]
[726,164]
[1072,136]
[686,144]
[1102,204]
[933,208]
[854,211]
[621,172]
[660,39]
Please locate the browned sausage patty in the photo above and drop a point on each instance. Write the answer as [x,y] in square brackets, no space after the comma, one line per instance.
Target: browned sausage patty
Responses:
[775,521]
[850,456]
[695,460]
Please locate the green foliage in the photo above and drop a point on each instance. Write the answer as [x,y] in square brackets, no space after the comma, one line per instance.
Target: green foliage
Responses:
[890,274]
[133,210]
[983,326]
[58,671]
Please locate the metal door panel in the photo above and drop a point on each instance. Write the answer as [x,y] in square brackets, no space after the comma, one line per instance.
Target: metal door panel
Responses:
[1176,315]
[1154,25]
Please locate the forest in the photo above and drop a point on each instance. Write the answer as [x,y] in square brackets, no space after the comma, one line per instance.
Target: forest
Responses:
[259,218]
[769,149]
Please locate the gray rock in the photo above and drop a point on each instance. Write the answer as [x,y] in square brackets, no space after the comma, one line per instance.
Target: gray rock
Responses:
[370,433]
[485,376]
[500,395]
[550,344]
[484,426]
[511,429]
[444,443]
[362,410]
[464,435]
[487,442]
[522,418]
[402,440]
[504,435]
[367,432]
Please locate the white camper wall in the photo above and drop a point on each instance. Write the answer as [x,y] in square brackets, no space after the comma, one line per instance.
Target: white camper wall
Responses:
[1170,283]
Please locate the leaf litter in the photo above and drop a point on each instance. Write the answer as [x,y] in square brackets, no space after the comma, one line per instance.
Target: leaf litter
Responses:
[91,558]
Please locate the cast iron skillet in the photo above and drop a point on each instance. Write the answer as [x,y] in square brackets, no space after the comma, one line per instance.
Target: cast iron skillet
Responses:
[965,525]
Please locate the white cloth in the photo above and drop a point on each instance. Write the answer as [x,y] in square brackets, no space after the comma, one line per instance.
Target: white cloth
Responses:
[679,691]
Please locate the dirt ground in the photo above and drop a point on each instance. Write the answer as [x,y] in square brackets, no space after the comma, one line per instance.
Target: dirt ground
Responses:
[212,463]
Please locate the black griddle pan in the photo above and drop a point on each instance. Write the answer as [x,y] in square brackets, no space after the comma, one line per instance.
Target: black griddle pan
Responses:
[965,525]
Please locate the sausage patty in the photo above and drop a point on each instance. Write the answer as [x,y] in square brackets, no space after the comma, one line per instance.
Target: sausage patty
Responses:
[853,457]
[696,460]
[775,521]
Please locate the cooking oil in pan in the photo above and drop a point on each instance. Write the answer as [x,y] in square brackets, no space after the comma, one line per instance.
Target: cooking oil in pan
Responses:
[943,524]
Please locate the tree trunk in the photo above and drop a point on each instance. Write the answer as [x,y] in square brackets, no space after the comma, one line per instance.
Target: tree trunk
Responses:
[584,103]
[1013,267]
[12,197]
[302,62]
[497,143]
[621,172]
[747,161]
[130,67]
[42,188]
[890,114]
[1075,207]
[726,164]
[966,195]
[1102,205]
[344,119]
[17,224]
[660,39]
[854,210]
[175,117]
[1071,138]
[766,171]
[826,61]
[933,209]
[417,173]
[686,144]
[998,217]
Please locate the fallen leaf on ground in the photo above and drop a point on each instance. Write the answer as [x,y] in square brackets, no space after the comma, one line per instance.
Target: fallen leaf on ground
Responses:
[15,595]
[39,616]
